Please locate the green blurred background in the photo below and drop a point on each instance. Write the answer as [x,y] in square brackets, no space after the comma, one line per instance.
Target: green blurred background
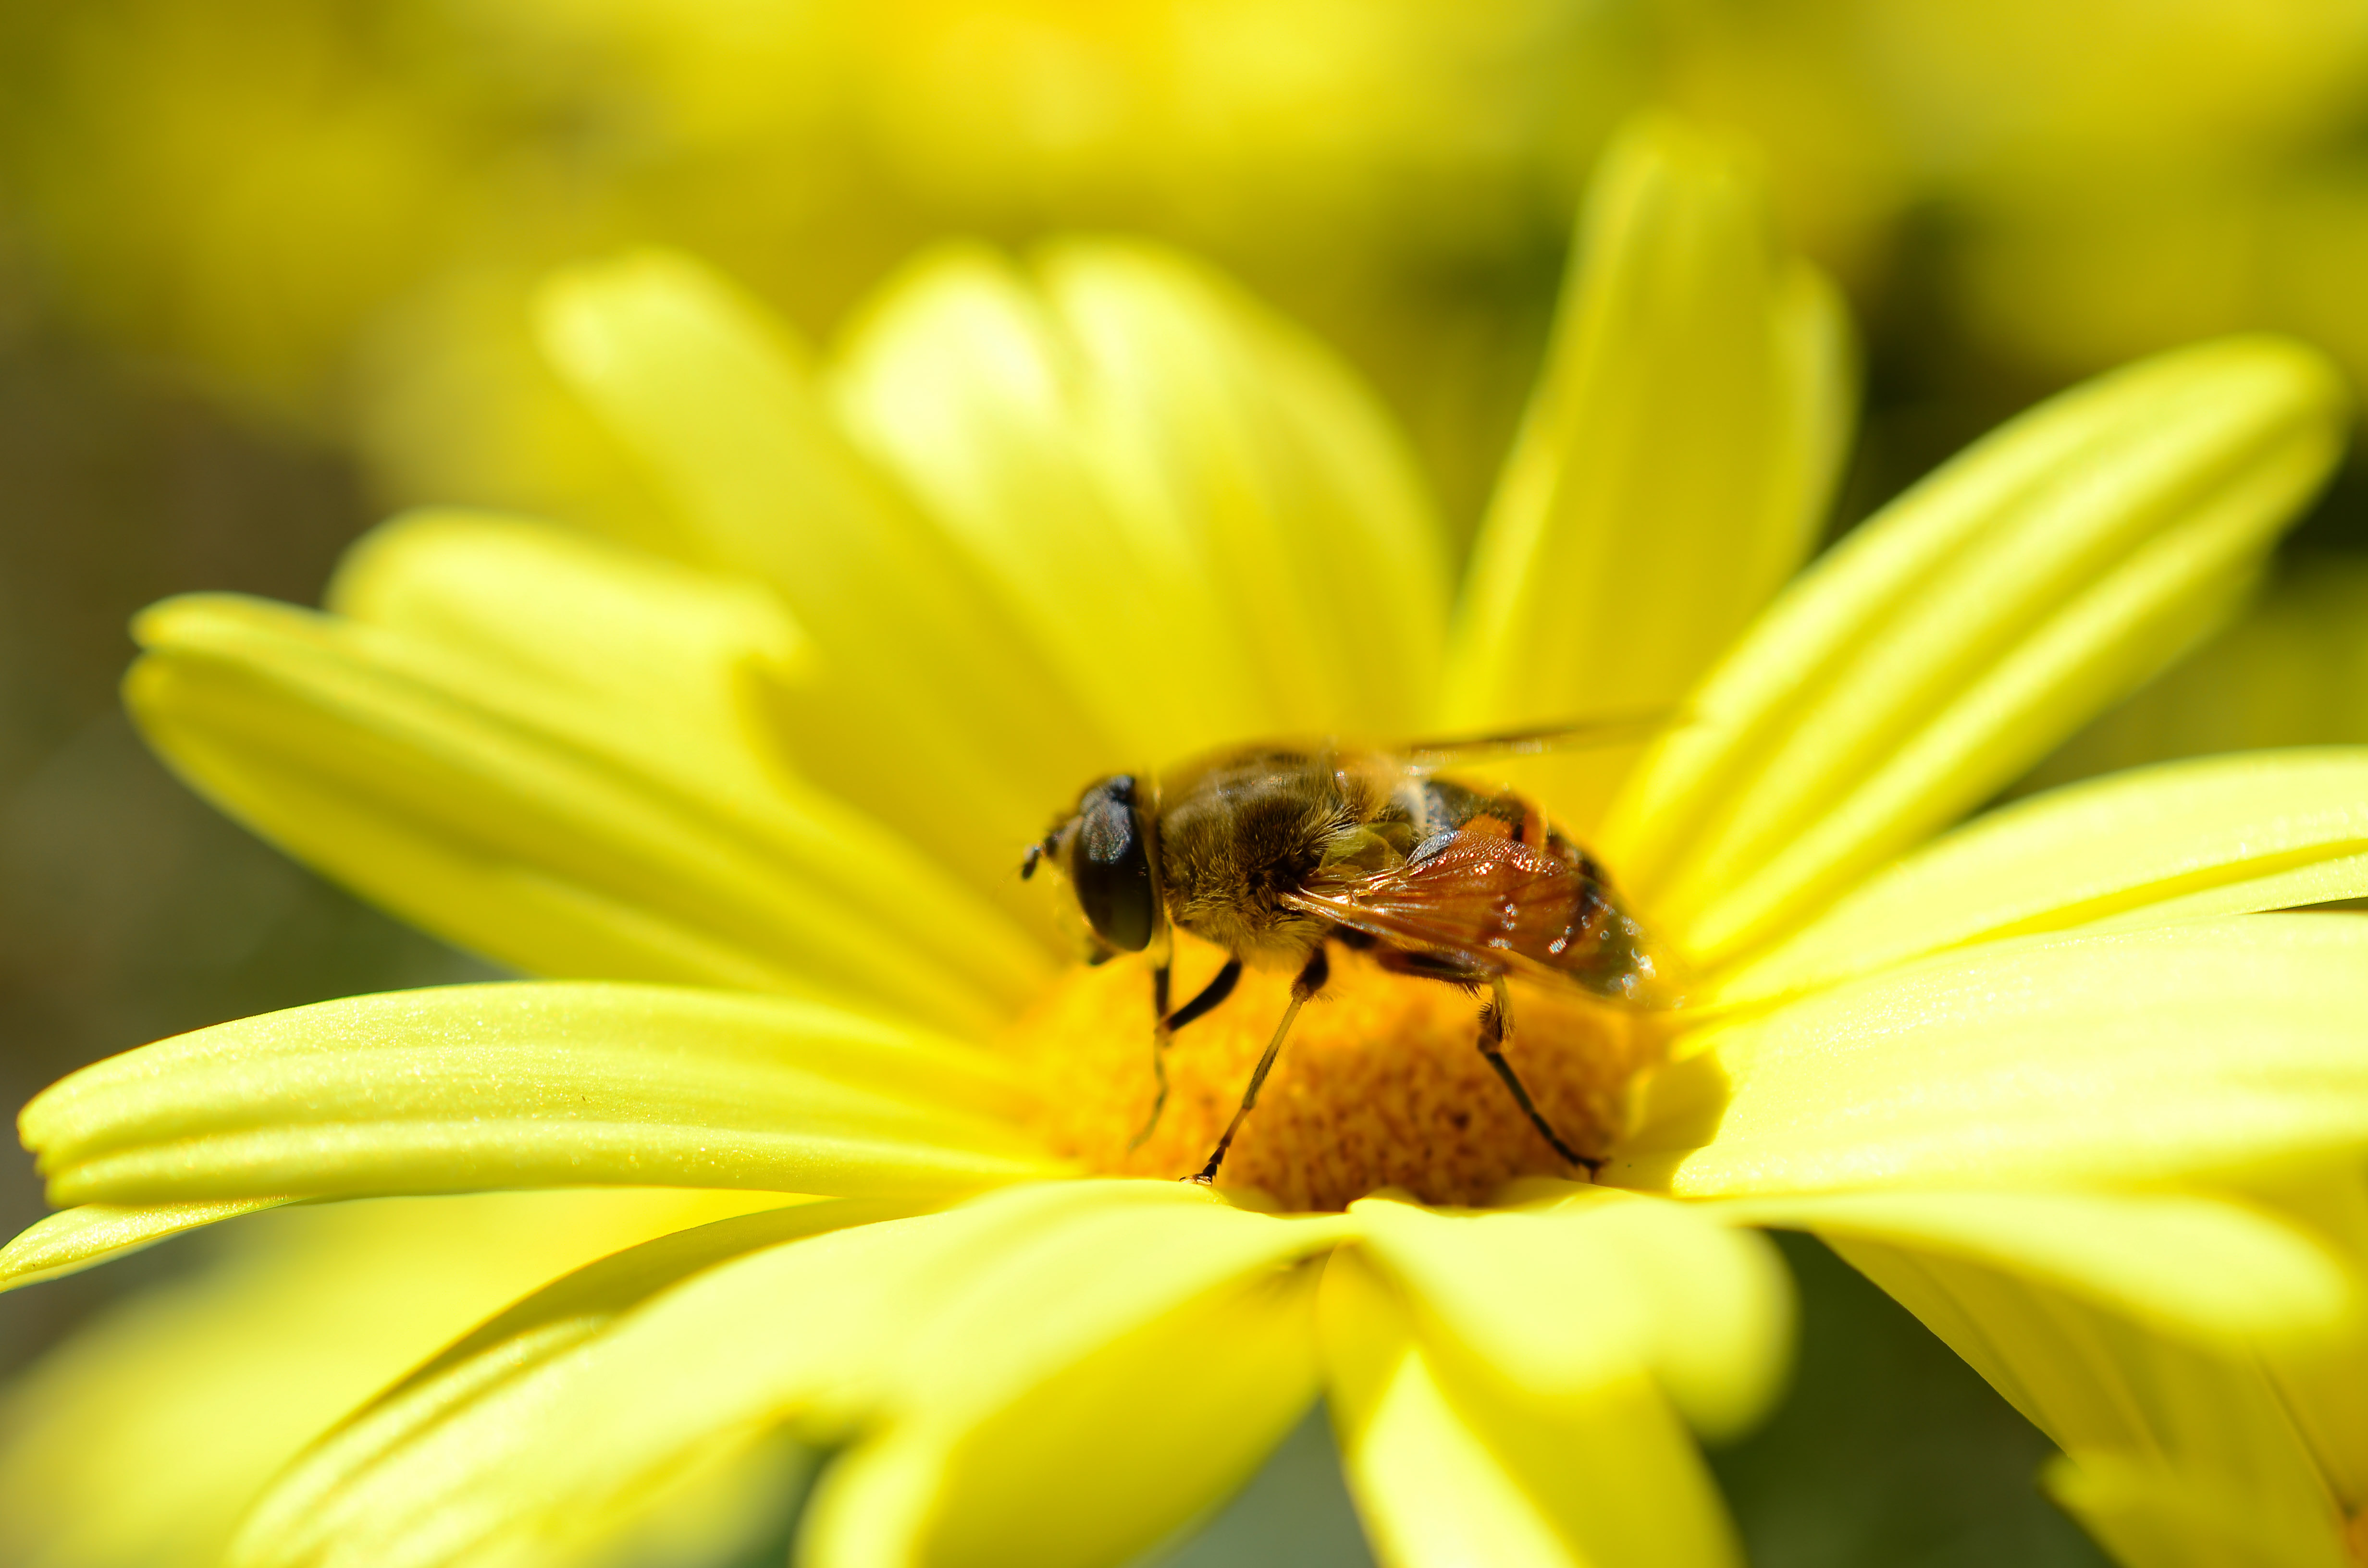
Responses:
[262,266]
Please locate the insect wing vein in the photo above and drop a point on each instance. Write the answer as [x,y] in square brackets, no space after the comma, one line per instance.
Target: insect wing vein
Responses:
[1475,897]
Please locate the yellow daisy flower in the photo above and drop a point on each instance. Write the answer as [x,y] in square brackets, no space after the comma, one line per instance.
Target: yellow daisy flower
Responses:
[759,788]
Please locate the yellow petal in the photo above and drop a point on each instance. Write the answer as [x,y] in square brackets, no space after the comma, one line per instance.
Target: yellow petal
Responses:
[1126,1251]
[944,1323]
[2292,672]
[1208,524]
[531,1084]
[468,798]
[429,1471]
[2319,1382]
[137,1442]
[1158,1365]
[2199,1268]
[1447,1469]
[2154,1517]
[2105,1388]
[917,677]
[2223,835]
[1619,558]
[71,1242]
[1257,456]
[619,649]
[2121,1058]
[684,672]
[1100,1462]
[1947,644]
[1705,1309]
[2186,1431]
[956,380]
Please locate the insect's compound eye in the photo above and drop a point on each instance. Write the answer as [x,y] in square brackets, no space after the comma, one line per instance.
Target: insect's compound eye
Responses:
[1110,866]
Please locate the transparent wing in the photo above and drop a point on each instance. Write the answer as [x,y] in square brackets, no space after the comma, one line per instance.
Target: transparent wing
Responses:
[1605,730]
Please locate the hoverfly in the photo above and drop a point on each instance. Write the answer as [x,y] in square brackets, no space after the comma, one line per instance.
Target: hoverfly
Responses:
[1273,850]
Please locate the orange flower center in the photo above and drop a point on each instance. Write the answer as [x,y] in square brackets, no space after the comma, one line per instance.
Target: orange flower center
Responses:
[1381,1083]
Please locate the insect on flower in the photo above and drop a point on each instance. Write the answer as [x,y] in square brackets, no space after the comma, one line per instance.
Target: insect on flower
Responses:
[1273,850]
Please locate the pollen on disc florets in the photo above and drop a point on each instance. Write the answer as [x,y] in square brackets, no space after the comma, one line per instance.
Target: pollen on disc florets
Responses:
[1381,1084]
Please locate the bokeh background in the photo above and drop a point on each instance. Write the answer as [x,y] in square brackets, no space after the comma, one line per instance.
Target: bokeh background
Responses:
[263,266]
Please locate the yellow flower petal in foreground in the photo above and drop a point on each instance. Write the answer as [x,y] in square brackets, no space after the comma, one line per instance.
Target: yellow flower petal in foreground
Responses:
[72,1239]
[1449,1465]
[527,1086]
[2050,1056]
[1099,1302]
[195,1392]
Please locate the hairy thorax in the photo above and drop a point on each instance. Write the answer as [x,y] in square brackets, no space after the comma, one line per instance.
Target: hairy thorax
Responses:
[1234,838]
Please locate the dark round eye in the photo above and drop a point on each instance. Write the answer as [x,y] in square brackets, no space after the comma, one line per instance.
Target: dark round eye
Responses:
[1110,867]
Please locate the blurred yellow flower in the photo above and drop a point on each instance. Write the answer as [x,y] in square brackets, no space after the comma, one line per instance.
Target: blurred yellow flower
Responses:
[325,208]
[1029,524]
[285,191]
[2057,187]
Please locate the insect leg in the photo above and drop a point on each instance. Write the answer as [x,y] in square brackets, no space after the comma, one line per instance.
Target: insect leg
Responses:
[1220,987]
[1495,1027]
[1163,1032]
[1310,980]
